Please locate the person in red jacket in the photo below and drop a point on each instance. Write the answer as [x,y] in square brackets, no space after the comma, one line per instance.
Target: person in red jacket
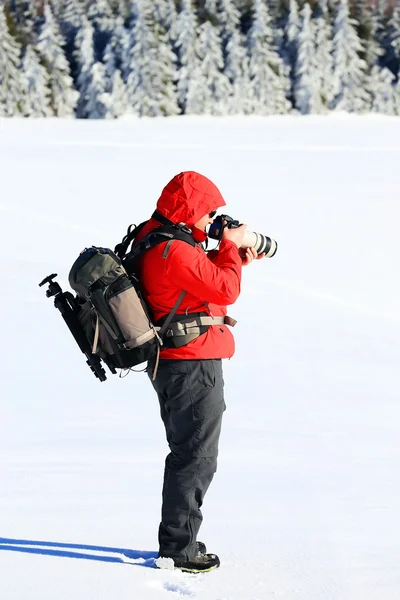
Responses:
[189,381]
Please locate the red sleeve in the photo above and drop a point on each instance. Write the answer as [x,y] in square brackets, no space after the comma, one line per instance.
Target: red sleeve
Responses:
[217,281]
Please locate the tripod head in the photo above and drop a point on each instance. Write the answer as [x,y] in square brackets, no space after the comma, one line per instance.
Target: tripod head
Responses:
[54,287]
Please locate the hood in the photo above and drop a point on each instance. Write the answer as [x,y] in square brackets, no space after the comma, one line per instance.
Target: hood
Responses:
[188,197]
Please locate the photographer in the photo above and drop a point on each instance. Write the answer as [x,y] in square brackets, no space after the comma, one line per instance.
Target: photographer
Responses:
[189,381]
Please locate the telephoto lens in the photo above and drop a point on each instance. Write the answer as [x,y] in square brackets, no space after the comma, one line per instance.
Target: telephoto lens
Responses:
[261,243]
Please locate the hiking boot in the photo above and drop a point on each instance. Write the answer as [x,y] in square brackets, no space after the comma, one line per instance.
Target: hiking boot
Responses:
[201,548]
[202,563]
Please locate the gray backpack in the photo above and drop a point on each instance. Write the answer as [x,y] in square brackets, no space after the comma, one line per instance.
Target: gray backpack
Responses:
[112,313]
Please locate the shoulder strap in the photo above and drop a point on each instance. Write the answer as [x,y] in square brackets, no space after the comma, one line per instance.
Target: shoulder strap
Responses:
[172,313]
[133,230]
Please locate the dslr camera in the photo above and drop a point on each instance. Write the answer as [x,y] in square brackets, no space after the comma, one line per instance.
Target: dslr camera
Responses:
[261,243]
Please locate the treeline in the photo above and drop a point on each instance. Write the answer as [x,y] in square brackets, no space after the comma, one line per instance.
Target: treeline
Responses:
[107,58]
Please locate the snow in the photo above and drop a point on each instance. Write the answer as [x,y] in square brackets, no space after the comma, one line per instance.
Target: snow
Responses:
[304,505]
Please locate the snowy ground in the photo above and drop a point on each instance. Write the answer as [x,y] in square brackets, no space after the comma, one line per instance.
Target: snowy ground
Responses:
[305,504]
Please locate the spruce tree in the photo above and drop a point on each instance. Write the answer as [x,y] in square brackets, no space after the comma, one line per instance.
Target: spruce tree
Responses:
[118,100]
[12,82]
[349,70]
[214,84]
[97,100]
[392,58]
[307,85]
[72,13]
[269,82]
[84,56]
[150,83]
[384,96]
[37,98]
[50,47]
[323,53]
[237,70]
[101,16]
[25,14]
[189,62]
[235,54]
[116,54]
[291,32]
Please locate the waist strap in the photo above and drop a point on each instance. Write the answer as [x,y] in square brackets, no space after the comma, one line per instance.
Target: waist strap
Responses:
[191,326]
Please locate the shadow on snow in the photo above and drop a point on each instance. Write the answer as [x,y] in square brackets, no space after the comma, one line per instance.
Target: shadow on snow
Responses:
[139,558]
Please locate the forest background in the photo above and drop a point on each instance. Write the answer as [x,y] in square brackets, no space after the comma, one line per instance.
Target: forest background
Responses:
[112,58]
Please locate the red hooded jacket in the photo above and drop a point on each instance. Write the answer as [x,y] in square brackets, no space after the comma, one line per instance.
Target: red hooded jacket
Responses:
[212,278]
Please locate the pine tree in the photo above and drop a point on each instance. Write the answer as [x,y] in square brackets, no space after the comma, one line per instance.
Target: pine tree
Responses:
[150,84]
[237,70]
[290,39]
[323,53]
[214,84]
[349,70]
[12,83]
[100,15]
[118,100]
[72,13]
[187,85]
[25,14]
[98,100]
[383,100]
[392,58]
[84,56]
[269,81]
[166,16]
[307,85]
[234,52]
[37,98]
[50,47]
[116,54]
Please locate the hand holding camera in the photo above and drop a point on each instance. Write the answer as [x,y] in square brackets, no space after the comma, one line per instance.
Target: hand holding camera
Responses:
[234,235]
[225,227]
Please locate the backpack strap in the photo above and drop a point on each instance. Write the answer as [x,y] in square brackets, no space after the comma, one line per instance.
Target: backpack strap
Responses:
[133,230]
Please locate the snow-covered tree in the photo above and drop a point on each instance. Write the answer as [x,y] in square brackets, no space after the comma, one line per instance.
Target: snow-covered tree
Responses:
[150,83]
[72,13]
[166,16]
[116,54]
[100,14]
[384,96]
[118,100]
[37,98]
[237,70]
[349,70]
[187,56]
[12,88]
[323,53]
[291,32]
[25,14]
[269,82]
[393,41]
[307,85]
[97,100]
[50,47]
[394,25]
[215,86]
[84,56]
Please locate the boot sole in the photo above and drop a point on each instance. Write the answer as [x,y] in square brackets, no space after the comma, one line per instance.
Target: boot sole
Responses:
[196,571]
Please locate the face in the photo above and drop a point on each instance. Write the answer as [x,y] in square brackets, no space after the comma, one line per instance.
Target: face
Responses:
[205,221]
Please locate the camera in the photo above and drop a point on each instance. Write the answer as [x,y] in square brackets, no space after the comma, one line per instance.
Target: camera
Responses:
[261,243]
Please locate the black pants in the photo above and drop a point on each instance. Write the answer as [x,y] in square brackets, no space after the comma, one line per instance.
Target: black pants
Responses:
[191,399]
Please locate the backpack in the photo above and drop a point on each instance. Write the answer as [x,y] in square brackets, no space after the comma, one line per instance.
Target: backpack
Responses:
[112,312]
